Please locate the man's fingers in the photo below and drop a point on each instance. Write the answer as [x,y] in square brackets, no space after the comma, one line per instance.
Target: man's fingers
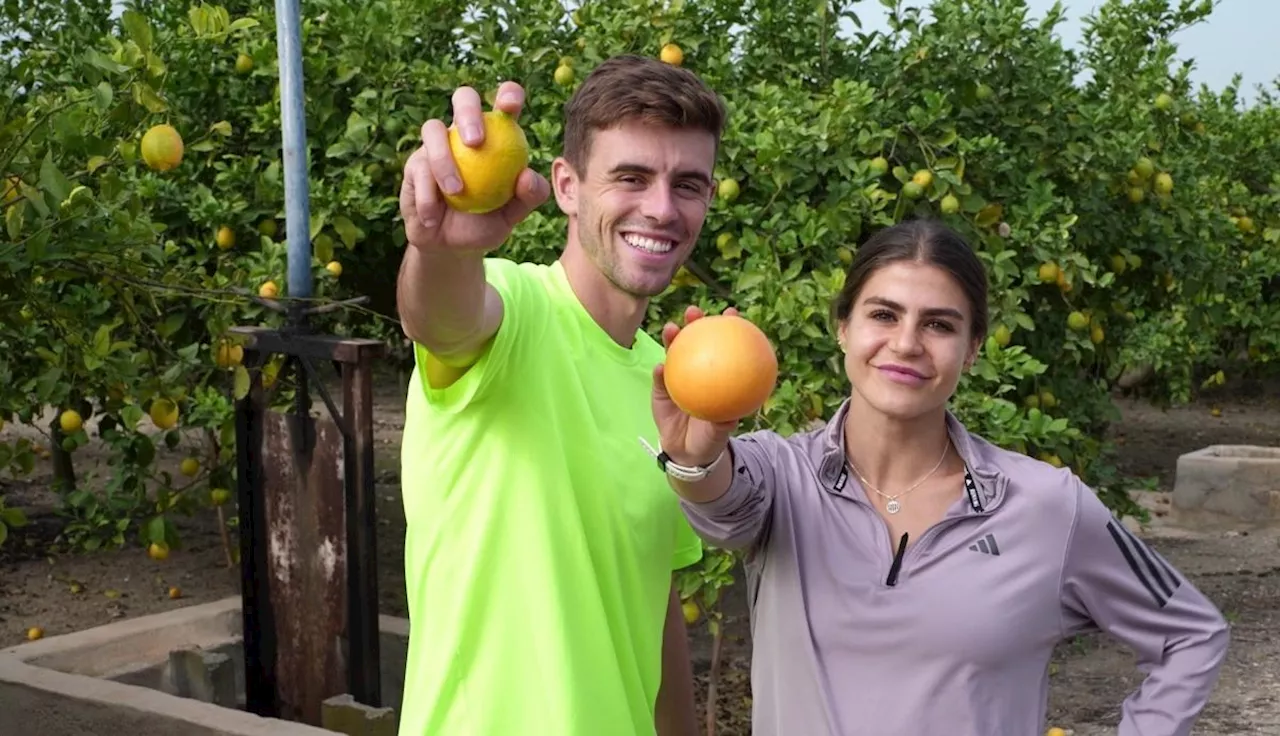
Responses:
[510,99]
[443,169]
[669,332]
[468,116]
[691,313]
[731,310]
[532,189]
[660,383]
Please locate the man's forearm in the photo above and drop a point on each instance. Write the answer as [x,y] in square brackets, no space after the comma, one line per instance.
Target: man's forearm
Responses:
[441,298]
[676,714]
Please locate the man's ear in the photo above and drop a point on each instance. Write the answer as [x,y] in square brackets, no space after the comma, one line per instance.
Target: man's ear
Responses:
[564,182]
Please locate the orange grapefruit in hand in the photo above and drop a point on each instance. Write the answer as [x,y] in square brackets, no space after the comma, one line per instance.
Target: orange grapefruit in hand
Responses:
[720,368]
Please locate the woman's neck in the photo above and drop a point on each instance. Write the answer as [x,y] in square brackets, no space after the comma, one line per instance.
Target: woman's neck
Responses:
[891,454]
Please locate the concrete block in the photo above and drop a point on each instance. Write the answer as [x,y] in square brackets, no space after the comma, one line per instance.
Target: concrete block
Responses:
[1229,484]
[344,715]
[209,677]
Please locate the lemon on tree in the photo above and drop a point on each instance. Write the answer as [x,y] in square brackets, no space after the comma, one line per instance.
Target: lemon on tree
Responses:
[1077,321]
[219,496]
[923,177]
[162,147]
[950,204]
[1164,183]
[334,268]
[70,421]
[189,467]
[228,355]
[1002,336]
[879,165]
[672,54]
[244,64]
[564,75]
[489,171]
[226,238]
[269,290]
[728,189]
[1048,272]
[158,551]
[164,413]
[691,612]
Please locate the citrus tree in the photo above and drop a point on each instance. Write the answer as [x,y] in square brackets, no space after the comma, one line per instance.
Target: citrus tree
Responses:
[1128,219]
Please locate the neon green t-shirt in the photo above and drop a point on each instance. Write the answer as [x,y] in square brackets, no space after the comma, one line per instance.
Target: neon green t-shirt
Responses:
[541,535]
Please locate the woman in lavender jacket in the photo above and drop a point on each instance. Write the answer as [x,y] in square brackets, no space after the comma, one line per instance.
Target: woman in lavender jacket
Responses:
[907,577]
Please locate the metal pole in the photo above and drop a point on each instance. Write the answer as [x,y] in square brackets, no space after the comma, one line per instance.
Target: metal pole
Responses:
[294,130]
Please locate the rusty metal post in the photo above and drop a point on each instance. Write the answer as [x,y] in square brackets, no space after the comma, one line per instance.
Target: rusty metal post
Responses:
[308,547]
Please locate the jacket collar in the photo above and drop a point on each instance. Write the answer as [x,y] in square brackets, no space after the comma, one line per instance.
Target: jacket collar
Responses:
[991,481]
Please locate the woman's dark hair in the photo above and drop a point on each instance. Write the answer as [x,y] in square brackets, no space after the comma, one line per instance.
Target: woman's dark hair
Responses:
[922,241]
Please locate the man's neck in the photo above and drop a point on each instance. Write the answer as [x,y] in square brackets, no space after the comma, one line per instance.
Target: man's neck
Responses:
[618,314]
[891,454]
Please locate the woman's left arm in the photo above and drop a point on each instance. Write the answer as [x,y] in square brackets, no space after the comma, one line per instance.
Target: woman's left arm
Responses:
[1114,582]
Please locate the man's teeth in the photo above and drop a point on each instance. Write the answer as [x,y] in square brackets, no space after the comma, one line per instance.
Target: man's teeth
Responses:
[648,244]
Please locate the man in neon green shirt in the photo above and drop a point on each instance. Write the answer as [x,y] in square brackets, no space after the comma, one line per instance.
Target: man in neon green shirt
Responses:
[540,543]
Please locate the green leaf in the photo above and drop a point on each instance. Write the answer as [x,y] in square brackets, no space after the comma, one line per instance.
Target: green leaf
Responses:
[4,533]
[13,518]
[171,324]
[155,529]
[144,95]
[105,63]
[347,230]
[52,180]
[102,341]
[102,95]
[242,24]
[222,127]
[199,18]
[135,24]
[14,215]
[241,382]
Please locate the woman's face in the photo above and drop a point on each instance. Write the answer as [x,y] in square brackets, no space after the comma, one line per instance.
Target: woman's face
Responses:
[908,339]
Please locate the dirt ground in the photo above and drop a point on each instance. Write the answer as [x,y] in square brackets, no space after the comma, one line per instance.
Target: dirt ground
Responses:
[1090,676]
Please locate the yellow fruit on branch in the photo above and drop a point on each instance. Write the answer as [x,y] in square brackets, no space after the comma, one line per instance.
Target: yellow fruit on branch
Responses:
[70,421]
[691,612]
[162,147]
[334,268]
[564,75]
[269,290]
[158,551]
[490,170]
[244,64]
[228,355]
[164,413]
[728,189]
[672,54]
[923,177]
[1048,272]
[190,466]
[226,238]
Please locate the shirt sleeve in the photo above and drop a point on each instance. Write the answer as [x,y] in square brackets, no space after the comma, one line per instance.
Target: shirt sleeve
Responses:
[739,519]
[524,305]
[1116,583]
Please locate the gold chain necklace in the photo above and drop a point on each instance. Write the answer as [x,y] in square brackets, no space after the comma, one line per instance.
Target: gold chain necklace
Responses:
[893,506]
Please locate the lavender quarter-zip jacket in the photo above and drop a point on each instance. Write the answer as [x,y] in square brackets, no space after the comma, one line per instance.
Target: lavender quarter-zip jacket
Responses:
[955,636]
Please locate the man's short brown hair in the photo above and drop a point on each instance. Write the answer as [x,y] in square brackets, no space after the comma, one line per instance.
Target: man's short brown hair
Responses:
[636,88]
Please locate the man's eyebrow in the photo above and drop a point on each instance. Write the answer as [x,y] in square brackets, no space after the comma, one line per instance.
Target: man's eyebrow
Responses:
[632,168]
[930,312]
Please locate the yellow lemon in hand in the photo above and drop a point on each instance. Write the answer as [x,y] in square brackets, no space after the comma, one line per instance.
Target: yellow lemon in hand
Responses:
[489,171]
